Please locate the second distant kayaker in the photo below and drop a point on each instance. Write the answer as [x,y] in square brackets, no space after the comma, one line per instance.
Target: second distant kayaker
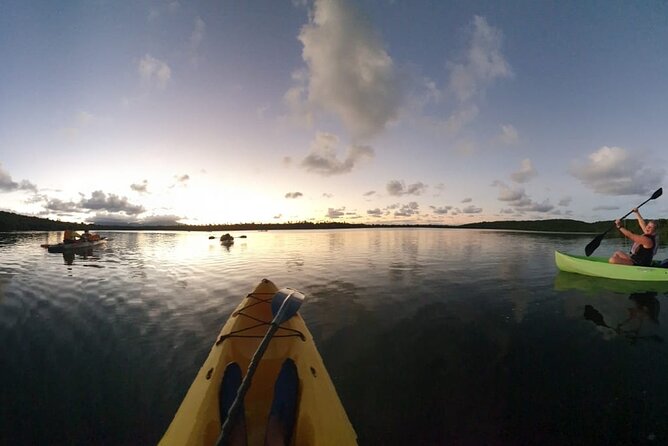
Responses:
[88,237]
[644,244]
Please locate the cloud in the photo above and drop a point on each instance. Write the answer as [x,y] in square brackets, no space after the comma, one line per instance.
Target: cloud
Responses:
[198,33]
[375,212]
[110,203]
[484,63]
[507,211]
[59,206]
[294,195]
[397,188]
[323,160]
[336,213]
[460,119]
[408,210]
[278,216]
[526,172]
[441,210]
[196,38]
[565,201]
[183,179]
[467,200]
[369,193]
[348,71]
[614,171]
[519,200]
[161,220]
[142,187]
[471,210]
[545,206]
[9,185]
[508,135]
[327,195]
[154,72]
[606,208]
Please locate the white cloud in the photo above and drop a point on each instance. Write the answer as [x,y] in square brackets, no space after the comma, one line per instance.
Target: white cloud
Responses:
[397,188]
[154,72]
[508,135]
[484,62]
[614,171]
[460,119]
[349,73]
[323,157]
[526,172]
[7,184]
[198,33]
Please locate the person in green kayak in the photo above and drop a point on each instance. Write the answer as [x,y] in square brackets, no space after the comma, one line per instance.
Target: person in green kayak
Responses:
[644,245]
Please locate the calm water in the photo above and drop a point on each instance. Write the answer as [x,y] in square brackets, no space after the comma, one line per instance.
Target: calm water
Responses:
[431,336]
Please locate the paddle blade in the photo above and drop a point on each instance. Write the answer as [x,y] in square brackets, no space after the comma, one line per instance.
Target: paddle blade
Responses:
[657,194]
[591,247]
[285,304]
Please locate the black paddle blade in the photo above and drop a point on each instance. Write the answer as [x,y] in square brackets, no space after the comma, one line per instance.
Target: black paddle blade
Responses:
[657,194]
[591,247]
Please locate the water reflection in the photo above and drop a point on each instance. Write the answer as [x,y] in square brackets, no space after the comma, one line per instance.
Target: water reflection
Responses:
[645,307]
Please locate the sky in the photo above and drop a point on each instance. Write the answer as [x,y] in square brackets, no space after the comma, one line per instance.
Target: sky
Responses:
[368,111]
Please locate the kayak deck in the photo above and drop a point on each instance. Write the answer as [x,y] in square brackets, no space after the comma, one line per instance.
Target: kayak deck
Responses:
[321,418]
[600,267]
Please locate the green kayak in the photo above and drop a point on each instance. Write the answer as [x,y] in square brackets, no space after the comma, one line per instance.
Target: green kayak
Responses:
[599,267]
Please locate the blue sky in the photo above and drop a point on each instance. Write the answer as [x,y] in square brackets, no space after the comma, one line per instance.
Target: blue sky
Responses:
[365,111]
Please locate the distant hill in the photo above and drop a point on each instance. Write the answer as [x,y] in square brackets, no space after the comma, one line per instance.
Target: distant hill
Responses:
[14,222]
[555,225]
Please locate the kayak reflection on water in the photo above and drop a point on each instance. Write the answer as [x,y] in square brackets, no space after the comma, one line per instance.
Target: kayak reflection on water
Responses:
[647,306]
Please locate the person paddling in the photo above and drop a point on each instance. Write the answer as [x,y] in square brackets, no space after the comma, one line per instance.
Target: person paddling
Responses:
[643,244]
[70,236]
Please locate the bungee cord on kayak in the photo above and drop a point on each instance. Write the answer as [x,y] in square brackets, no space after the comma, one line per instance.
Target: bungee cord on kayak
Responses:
[261,322]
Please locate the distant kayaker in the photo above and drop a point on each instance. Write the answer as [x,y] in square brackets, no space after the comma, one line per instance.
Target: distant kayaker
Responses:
[71,236]
[88,237]
[644,244]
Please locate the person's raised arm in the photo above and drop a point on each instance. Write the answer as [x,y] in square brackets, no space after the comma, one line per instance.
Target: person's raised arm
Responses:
[635,238]
[641,221]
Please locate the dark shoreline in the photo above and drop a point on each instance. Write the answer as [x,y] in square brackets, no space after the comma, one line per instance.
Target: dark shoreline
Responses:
[11,222]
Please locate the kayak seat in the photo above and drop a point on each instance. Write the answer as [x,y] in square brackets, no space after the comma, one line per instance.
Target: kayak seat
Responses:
[284,406]
[227,394]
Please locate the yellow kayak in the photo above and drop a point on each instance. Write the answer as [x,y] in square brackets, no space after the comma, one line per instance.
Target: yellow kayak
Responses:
[320,416]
